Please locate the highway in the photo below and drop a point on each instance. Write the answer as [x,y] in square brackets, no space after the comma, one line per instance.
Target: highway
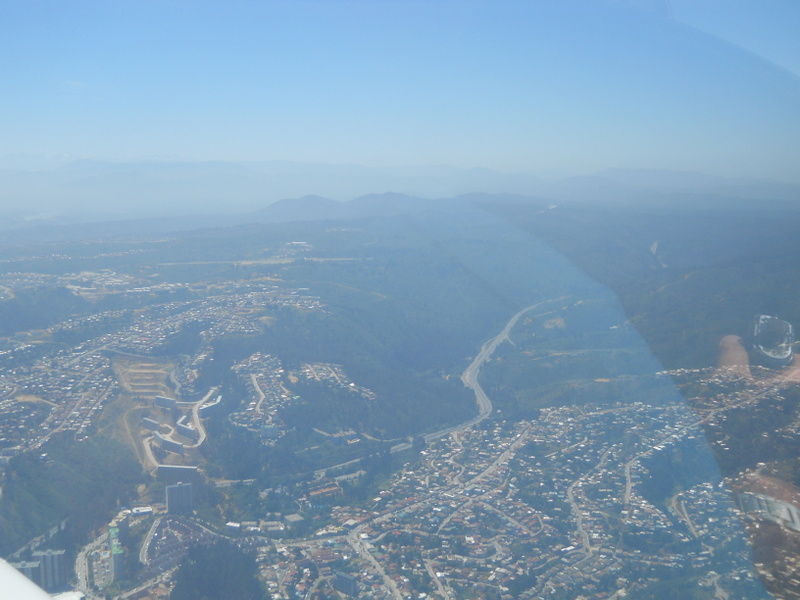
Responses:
[82,565]
[470,379]
[470,375]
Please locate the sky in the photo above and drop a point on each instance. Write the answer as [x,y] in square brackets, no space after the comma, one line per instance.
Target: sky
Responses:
[556,86]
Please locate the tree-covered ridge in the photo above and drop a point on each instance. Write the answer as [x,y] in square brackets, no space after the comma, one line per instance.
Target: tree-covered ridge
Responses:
[84,483]
[686,276]
[217,572]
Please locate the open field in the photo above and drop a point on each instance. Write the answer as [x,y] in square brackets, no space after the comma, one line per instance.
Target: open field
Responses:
[30,399]
[732,355]
[143,377]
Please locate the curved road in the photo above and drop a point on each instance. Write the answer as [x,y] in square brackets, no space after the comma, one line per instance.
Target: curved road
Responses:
[470,374]
[198,424]
[470,379]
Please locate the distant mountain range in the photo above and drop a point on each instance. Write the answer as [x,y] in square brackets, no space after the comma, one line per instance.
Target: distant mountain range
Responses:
[90,191]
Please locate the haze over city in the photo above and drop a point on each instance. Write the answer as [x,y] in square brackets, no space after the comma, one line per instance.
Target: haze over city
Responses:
[446,300]
[427,89]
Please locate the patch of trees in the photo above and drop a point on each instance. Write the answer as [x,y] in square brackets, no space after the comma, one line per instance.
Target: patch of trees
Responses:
[676,586]
[521,583]
[754,434]
[377,468]
[38,308]
[83,482]
[184,341]
[80,333]
[723,266]
[217,572]
[677,468]
[409,400]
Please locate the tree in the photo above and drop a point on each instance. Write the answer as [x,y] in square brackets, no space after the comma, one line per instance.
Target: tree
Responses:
[217,572]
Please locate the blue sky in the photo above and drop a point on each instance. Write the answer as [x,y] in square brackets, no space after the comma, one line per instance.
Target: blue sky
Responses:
[563,86]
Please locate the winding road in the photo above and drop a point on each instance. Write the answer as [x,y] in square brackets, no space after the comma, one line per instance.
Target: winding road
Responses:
[470,375]
[470,379]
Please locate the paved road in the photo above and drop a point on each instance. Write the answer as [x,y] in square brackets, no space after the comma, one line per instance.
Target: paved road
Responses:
[470,379]
[443,591]
[145,549]
[198,424]
[82,565]
[470,374]
[261,395]
[576,508]
[361,547]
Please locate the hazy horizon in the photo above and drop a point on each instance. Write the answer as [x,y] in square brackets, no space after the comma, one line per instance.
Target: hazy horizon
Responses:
[458,299]
[563,88]
[89,190]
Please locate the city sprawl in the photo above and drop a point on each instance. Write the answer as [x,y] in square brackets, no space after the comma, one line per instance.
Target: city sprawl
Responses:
[364,435]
